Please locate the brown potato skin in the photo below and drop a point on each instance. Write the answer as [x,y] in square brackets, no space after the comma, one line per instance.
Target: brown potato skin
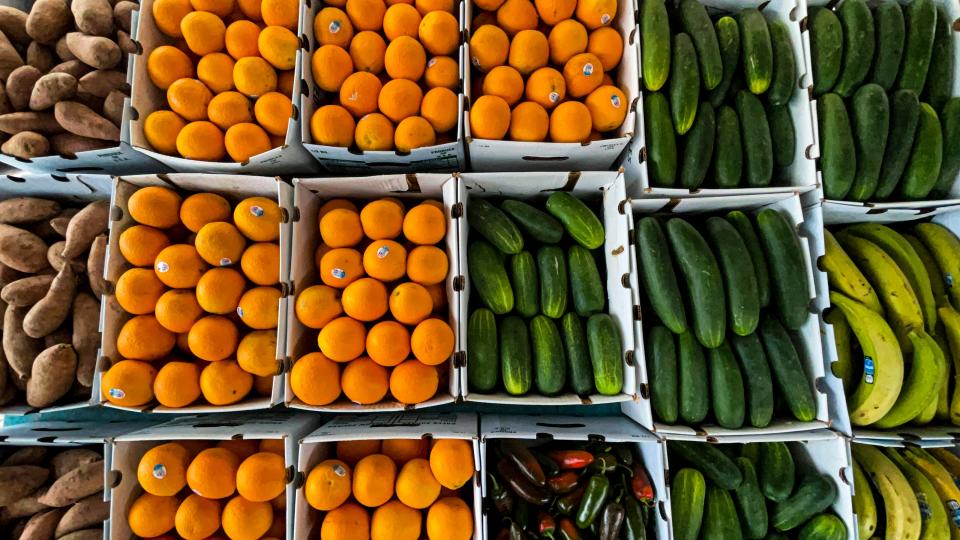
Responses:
[93,17]
[77,484]
[27,291]
[20,85]
[52,88]
[27,210]
[18,481]
[86,336]
[48,20]
[22,250]
[13,24]
[96,51]
[52,375]
[49,313]
[80,119]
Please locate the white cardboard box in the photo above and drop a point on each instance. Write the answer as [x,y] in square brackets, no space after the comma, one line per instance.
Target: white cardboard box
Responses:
[112,317]
[321,445]
[601,189]
[308,196]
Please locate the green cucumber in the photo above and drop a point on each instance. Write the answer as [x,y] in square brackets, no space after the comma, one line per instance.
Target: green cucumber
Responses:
[921,23]
[782,135]
[696,23]
[606,354]
[923,169]
[756,373]
[750,501]
[698,148]
[871,122]
[550,366]
[489,277]
[824,527]
[858,45]
[661,140]
[704,283]
[516,363]
[494,225]
[728,150]
[720,516]
[815,494]
[658,276]
[483,354]
[688,491]
[662,364]
[757,146]
[579,369]
[904,117]
[726,387]
[713,463]
[538,224]
[788,268]
[756,50]
[891,32]
[577,218]
[728,38]
[655,43]
[784,78]
[684,84]
[748,234]
[739,279]
[788,372]
[826,48]
[585,284]
[777,471]
[552,266]
[939,85]
[950,165]
[694,390]
[526,290]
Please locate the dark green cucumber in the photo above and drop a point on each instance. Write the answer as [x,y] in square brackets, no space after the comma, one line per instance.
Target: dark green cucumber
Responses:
[921,23]
[739,279]
[858,45]
[655,43]
[694,390]
[748,234]
[787,265]
[579,369]
[756,374]
[950,165]
[661,140]
[658,276]
[688,491]
[720,516]
[714,464]
[923,169]
[698,147]
[750,501]
[755,134]
[483,353]
[662,365]
[489,276]
[756,50]
[728,151]
[871,122]
[552,266]
[494,225]
[826,48]
[784,79]
[577,218]
[777,471]
[606,354]
[788,372]
[526,290]
[696,23]
[585,284]
[516,363]
[550,366]
[815,494]
[904,116]
[538,224]
[782,135]
[684,84]
[726,387]
[824,527]
[703,280]
[728,38]
[891,32]
[939,86]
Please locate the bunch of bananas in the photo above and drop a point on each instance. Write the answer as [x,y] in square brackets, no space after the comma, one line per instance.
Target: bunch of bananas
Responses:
[895,306]
[917,490]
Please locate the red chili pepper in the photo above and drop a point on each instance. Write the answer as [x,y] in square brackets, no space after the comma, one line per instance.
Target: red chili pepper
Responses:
[546,525]
[568,531]
[571,459]
[562,483]
[640,484]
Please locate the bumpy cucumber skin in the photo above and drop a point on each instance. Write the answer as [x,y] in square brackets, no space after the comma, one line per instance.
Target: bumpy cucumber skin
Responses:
[728,38]
[726,387]
[698,148]
[757,51]
[661,140]
[491,223]
[739,278]
[788,270]
[891,33]
[658,274]
[788,372]
[826,49]
[950,165]
[489,277]
[858,45]
[904,117]
[921,21]
[663,374]
[692,383]
[483,353]
[579,369]
[923,169]
[586,288]
[871,123]
[516,362]
[526,289]
[728,164]
[782,135]
[684,84]
[777,471]
[703,279]
[750,501]
[784,76]
[552,266]
[655,43]
[757,376]
[581,224]
[838,164]
[748,233]
[939,85]
[606,354]
[757,146]
[535,222]
[696,22]
[720,520]
[550,365]
[688,491]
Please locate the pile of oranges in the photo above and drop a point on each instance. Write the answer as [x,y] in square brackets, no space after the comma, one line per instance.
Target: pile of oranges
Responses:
[542,70]
[397,481]
[197,490]
[203,274]
[228,77]
[382,279]
[392,72]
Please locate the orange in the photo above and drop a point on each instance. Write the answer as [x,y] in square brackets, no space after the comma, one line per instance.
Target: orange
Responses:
[341,228]
[253,76]
[349,521]
[426,6]
[489,46]
[245,140]
[339,267]
[400,98]
[424,224]
[241,39]
[220,8]
[128,383]
[451,461]
[167,15]
[213,473]
[365,299]
[364,381]
[403,450]
[258,218]
[331,26]
[529,121]
[608,107]
[332,125]
[395,520]
[195,446]
[317,305]
[439,32]
[261,477]
[367,51]
[505,82]
[351,452]
[167,64]
[219,290]
[163,469]
[203,31]
[440,108]
[228,109]
[161,129]
[155,206]
[516,15]
[432,342]
[342,339]
[213,338]
[416,486]
[405,59]
[142,338]
[177,310]
[547,87]
[359,93]
[566,39]
[583,73]
[373,479]
[529,51]
[261,263]
[250,8]
[414,132]
[201,141]
[140,244]
[410,303]
[246,520]
[385,260]
[177,384]
[596,13]
[374,133]
[331,65]
[366,14]
[489,118]
[243,448]
[138,290]
[401,20]
[273,111]
[272,445]
[257,353]
[280,13]
[450,519]
[442,72]
[553,12]
[220,243]
[607,45]
[315,380]
[381,218]
[259,308]
[489,7]
[197,518]
[152,515]
[278,46]
[224,383]
[413,382]
[438,293]
[201,208]
[328,485]
[427,265]
[570,122]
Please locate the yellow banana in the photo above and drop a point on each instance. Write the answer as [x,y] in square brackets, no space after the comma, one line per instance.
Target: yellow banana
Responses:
[864,506]
[934,517]
[843,366]
[845,277]
[929,411]
[933,271]
[882,377]
[949,460]
[942,482]
[943,403]
[951,324]
[900,505]
[921,383]
[945,248]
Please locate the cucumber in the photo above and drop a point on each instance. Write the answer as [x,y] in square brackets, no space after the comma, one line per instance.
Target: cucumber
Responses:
[698,147]
[696,23]
[756,373]
[516,364]
[777,471]
[704,284]
[483,353]
[750,501]
[815,494]
[579,369]
[552,266]
[523,277]
[826,49]
[720,516]
[694,390]
[728,38]
[494,225]
[824,527]
[585,284]
[748,234]
[756,50]
[606,354]
[726,387]
[871,123]
[489,277]
[714,464]
[921,23]
[923,169]
[550,366]
[891,32]
[755,134]
[788,372]
[658,276]
[577,218]
[728,151]
[538,224]
[950,165]
[739,279]
[684,84]
[904,117]
[661,141]
[662,363]
[688,491]
[858,45]
[939,86]
[782,135]
[784,78]
[787,265]
[655,43]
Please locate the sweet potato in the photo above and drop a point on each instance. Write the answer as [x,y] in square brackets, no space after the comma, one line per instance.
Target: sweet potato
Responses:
[26,145]
[52,88]
[86,534]
[15,122]
[62,335]
[9,57]
[13,23]
[50,312]
[22,250]
[53,374]
[82,120]
[26,506]
[42,526]
[96,261]
[59,223]
[126,44]
[27,291]
[101,82]
[5,370]
[19,348]
[87,512]
[122,14]
[41,57]
[86,335]
[68,144]
[20,85]
[95,51]
[8,275]
[113,106]
[18,481]
[55,255]
[17,381]
[89,223]
[28,455]
[77,484]
[27,210]
[5,107]
[68,460]
[72,67]
[48,20]
[93,17]
[60,47]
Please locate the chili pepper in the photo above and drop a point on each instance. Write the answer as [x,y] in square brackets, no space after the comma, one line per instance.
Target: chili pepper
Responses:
[569,502]
[564,482]
[549,466]
[604,463]
[640,484]
[516,533]
[502,499]
[568,531]
[634,522]
[522,487]
[521,514]
[611,521]
[623,453]
[525,462]
[546,525]
[569,460]
[598,486]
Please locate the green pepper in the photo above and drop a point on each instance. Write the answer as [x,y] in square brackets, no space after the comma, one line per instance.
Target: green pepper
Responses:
[634,522]
[521,514]
[604,463]
[623,453]
[598,486]
[516,533]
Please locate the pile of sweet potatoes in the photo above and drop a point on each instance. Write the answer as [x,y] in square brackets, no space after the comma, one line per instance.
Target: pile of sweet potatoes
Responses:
[51,271]
[50,493]
[63,71]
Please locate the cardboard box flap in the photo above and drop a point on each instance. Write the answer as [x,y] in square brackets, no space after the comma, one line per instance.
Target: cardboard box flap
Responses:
[261,425]
[520,185]
[61,433]
[570,428]
[398,425]
[72,187]
[376,186]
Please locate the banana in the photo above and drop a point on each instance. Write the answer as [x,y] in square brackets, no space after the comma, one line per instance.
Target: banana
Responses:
[882,377]
[864,506]
[945,248]
[929,411]
[842,367]
[906,258]
[933,271]
[921,383]
[934,518]
[951,324]
[845,277]
[947,490]
[943,403]
[900,505]
[949,460]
